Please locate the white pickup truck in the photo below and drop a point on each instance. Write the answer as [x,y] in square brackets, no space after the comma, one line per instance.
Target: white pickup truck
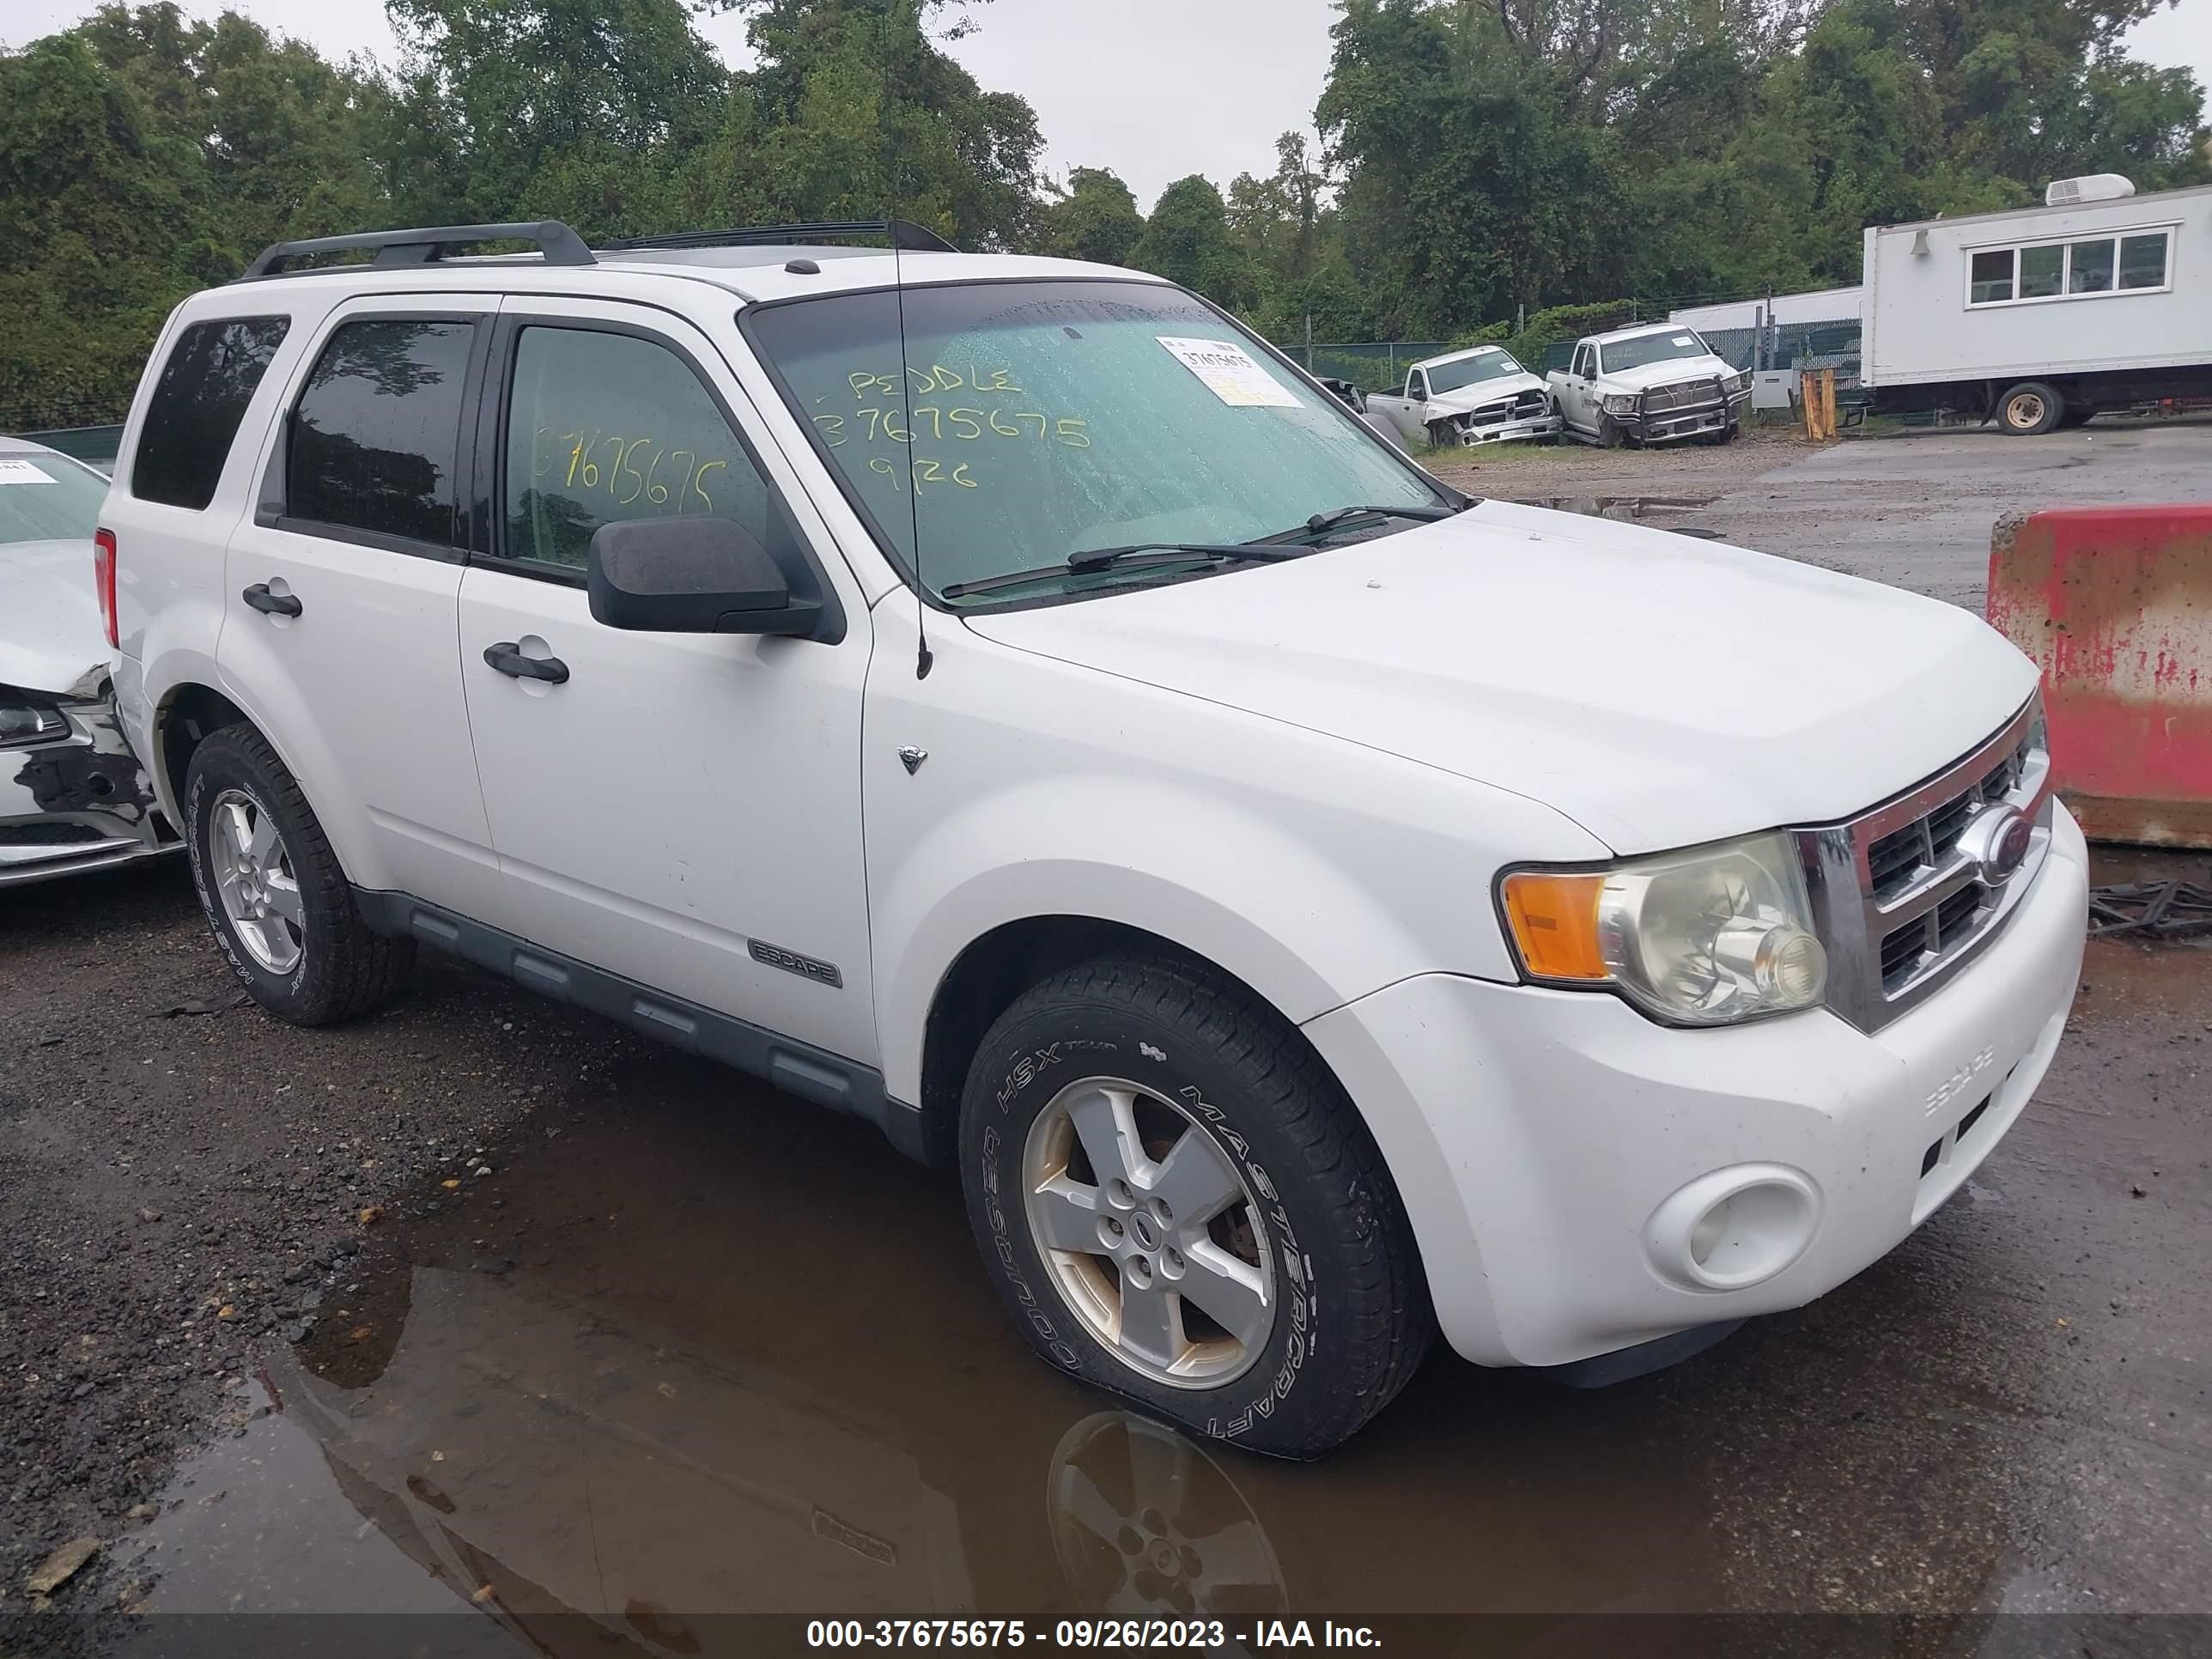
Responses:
[1310,909]
[1468,398]
[1659,383]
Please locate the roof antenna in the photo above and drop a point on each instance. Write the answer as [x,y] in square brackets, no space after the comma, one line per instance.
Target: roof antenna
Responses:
[923,659]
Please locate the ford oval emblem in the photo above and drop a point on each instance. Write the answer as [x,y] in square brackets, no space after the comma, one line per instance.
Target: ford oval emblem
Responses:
[1998,844]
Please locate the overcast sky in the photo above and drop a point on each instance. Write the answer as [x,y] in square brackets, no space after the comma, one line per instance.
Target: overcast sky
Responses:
[1153,88]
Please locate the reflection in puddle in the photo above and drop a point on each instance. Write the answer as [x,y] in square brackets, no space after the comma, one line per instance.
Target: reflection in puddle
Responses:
[687,1362]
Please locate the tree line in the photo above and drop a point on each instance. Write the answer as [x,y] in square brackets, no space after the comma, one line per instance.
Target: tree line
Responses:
[1479,160]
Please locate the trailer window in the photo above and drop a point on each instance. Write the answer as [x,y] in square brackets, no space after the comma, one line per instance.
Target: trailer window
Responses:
[1991,276]
[2064,270]
[2089,268]
[2142,261]
[2042,272]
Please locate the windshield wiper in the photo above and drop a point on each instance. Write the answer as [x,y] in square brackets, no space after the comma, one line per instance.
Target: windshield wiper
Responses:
[1320,523]
[1137,553]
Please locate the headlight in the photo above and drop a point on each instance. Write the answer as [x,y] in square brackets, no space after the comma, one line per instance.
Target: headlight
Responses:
[1620,403]
[1741,382]
[1706,937]
[23,722]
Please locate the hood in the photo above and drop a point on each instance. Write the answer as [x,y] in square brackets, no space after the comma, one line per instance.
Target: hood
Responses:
[1468,398]
[51,637]
[1666,373]
[1658,689]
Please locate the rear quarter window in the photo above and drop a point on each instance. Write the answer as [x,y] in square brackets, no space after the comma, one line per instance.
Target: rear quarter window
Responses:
[198,403]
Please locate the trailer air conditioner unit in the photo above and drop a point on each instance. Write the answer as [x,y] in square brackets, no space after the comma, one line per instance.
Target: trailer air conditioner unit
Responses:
[2089,187]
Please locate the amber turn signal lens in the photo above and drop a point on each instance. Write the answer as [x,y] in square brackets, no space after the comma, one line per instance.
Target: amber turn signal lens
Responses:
[1555,921]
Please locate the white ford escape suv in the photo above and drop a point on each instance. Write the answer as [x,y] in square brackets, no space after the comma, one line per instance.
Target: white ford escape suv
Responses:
[1004,699]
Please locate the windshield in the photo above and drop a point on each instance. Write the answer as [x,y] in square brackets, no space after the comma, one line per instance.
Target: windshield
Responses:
[1053,418]
[1450,377]
[47,498]
[1617,355]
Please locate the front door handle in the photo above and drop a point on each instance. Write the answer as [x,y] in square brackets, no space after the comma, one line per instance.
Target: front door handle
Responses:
[271,604]
[507,657]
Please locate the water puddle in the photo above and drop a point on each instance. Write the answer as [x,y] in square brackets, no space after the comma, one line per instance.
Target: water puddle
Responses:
[706,1358]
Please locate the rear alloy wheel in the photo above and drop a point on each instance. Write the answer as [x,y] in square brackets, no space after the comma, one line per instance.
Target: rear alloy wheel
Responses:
[1179,1204]
[2029,409]
[273,891]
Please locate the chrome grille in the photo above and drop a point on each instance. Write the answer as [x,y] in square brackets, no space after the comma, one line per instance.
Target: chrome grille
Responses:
[1900,892]
[1683,394]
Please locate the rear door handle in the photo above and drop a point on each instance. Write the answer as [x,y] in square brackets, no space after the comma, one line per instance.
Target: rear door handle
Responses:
[271,604]
[507,657]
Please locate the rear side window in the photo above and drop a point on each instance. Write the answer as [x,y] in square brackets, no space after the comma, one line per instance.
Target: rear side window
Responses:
[196,405]
[376,435]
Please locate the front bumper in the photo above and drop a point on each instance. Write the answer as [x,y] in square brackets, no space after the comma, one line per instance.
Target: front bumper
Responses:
[1659,426]
[1535,427]
[80,802]
[1551,1145]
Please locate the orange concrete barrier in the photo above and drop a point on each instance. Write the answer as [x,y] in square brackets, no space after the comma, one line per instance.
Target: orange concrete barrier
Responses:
[2115,605]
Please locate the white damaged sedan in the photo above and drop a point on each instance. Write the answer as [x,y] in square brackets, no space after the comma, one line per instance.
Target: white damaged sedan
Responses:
[72,796]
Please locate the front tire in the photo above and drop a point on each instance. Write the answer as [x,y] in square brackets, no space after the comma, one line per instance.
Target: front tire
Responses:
[282,909]
[1179,1204]
[1609,432]
[2030,409]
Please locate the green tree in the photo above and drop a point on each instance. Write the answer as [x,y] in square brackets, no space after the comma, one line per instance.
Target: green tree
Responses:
[1187,240]
[1092,216]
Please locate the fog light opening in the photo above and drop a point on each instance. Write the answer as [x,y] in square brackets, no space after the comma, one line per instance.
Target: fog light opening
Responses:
[1733,1228]
[1705,1237]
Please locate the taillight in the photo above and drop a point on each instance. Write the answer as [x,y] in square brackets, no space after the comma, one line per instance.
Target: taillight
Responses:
[103,583]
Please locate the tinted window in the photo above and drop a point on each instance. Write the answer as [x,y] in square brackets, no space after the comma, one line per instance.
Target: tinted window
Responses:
[2090,268]
[376,433]
[196,406]
[607,427]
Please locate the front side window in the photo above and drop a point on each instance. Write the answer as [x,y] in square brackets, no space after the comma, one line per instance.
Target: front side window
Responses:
[1989,277]
[47,498]
[376,435]
[603,428]
[2089,267]
[196,405]
[1024,423]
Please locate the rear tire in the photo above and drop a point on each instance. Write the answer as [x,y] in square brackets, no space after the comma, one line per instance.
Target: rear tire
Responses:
[1278,1302]
[271,886]
[2029,409]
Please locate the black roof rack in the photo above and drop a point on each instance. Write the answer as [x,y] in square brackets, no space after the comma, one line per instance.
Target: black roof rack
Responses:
[560,245]
[903,233]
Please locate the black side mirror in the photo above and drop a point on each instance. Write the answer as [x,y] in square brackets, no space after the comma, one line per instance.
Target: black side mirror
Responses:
[693,576]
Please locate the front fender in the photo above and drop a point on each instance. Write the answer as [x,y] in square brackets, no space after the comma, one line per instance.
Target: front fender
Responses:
[1314,870]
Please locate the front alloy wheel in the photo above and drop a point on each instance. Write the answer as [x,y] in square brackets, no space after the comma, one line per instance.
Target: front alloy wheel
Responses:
[1178,1203]
[1153,1237]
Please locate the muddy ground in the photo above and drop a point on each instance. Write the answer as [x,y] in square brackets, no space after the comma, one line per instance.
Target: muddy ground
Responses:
[627,1339]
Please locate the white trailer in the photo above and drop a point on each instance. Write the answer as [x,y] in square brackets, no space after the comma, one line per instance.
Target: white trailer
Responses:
[2046,316]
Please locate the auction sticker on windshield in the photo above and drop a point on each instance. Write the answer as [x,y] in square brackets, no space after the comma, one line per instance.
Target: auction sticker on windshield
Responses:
[23,472]
[1229,373]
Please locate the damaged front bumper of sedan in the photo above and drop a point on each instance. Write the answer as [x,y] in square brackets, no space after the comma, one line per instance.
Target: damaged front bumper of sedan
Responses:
[73,797]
